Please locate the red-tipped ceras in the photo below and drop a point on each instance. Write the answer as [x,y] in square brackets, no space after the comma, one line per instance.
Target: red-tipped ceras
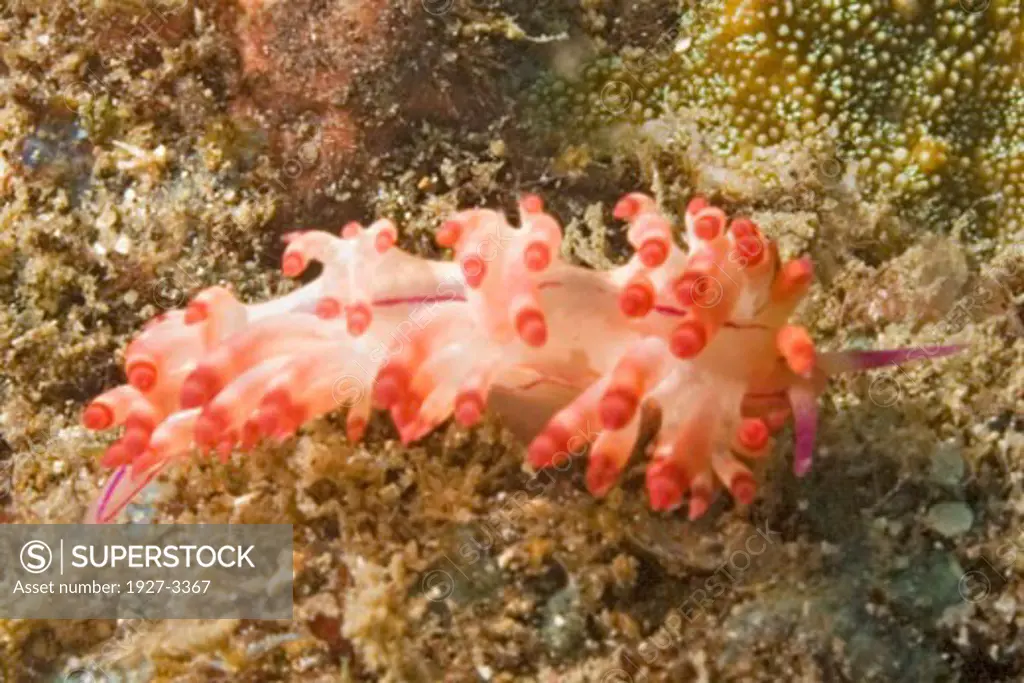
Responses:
[700,336]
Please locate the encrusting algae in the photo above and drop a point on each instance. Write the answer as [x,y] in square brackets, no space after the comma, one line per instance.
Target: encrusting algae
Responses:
[921,102]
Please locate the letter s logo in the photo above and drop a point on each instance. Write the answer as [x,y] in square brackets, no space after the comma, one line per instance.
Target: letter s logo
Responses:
[36,557]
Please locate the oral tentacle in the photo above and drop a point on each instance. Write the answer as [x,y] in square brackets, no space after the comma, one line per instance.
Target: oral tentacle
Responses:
[838,362]
[804,403]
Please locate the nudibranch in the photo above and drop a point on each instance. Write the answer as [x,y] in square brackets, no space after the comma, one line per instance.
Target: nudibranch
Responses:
[699,338]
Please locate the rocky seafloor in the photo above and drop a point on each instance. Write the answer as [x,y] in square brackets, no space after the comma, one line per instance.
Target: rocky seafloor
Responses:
[150,148]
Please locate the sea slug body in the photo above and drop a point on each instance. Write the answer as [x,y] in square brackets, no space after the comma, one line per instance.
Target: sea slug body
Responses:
[698,337]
